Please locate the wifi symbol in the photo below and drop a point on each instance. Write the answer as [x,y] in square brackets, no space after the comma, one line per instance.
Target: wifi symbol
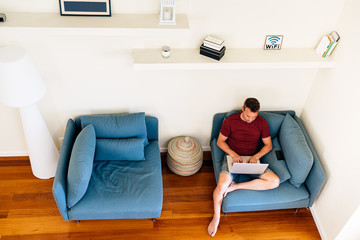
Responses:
[274,39]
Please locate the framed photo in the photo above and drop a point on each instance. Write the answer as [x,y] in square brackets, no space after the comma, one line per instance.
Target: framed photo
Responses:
[85,8]
[167,12]
[273,42]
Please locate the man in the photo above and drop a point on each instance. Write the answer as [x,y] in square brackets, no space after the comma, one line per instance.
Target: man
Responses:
[239,136]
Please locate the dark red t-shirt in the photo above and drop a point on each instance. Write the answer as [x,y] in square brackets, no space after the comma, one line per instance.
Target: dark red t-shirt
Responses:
[243,137]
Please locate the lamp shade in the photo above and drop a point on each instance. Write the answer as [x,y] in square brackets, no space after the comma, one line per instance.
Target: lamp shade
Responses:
[20,82]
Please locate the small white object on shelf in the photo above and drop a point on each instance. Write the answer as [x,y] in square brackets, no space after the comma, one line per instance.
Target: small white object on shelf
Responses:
[165,51]
[167,12]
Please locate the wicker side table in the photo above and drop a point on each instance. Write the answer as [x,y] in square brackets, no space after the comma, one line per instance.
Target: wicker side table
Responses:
[185,156]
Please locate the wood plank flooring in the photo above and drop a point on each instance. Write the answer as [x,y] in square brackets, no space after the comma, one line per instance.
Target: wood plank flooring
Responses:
[28,212]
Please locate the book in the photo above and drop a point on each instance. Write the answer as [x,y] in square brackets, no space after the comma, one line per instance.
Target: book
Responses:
[210,55]
[335,39]
[323,45]
[213,43]
[213,40]
[213,53]
[213,46]
[203,47]
[327,44]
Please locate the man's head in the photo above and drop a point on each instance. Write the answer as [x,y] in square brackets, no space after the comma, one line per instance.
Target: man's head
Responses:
[250,109]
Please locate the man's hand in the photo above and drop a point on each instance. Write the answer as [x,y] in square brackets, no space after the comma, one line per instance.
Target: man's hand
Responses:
[252,160]
[236,157]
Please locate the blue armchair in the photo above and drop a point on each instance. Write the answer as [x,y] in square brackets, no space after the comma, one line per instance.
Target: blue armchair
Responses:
[301,174]
[109,168]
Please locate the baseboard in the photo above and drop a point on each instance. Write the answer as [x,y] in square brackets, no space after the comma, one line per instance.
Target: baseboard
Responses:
[14,154]
[318,225]
[204,148]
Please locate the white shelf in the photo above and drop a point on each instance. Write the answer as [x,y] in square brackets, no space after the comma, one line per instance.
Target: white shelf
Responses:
[236,58]
[54,20]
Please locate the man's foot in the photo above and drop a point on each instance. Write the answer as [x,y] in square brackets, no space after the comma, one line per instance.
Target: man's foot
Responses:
[231,188]
[213,226]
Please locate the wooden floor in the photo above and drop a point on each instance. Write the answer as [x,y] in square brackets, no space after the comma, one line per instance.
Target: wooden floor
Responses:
[28,211]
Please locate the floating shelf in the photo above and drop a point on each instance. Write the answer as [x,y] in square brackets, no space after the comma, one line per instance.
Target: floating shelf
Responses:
[236,58]
[54,20]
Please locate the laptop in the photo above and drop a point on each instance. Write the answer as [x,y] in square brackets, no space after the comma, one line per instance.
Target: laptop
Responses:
[246,168]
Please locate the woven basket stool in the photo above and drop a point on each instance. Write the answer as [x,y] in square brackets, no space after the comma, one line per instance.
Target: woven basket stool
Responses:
[185,156]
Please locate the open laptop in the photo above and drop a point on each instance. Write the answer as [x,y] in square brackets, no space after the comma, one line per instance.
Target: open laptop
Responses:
[246,168]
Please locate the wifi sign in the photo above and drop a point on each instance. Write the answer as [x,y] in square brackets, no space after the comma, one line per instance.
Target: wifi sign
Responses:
[273,42]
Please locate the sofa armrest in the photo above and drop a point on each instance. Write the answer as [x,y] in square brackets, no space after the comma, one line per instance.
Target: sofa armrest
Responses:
[316,178]
[152,126]
[217,123]
[217,156]
[59,185]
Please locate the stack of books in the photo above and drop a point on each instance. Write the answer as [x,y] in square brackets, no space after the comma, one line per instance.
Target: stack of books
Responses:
[213,47]
[327,44]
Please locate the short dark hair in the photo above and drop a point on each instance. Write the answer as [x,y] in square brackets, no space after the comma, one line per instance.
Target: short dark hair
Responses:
[252,103]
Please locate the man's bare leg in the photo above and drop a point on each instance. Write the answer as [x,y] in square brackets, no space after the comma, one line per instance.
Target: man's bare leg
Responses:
[268,180]
[223,183]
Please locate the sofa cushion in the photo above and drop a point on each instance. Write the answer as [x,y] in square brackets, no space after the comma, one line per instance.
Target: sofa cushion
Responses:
[274,121]
[129,125]
[297,153]
[120,149]
[80,166]
[277,166]
[284,196]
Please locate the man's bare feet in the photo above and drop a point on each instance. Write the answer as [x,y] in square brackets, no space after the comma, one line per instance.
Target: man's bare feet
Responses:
[231,188]
[213,226]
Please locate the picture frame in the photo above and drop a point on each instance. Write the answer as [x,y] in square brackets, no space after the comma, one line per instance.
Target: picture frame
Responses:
[167,12]
[273,42]
[85,8]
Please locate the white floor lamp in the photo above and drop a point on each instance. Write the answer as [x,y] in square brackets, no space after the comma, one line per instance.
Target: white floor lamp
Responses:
[21,86]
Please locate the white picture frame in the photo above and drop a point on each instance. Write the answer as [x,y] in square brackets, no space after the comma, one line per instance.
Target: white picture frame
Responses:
[167,12]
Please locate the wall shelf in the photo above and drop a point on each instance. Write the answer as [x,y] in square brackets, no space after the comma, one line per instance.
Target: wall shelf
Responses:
[236,58]
[54,20]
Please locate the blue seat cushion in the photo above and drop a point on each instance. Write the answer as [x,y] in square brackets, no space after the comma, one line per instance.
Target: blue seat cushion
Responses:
[130,125]
[296,151]
[80,166]
[123,189]
[131,149]
[284,196]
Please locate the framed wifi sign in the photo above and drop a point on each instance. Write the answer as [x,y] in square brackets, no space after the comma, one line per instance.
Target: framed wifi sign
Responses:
[273,42]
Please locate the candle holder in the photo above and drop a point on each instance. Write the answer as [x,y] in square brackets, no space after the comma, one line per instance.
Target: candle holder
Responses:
[165,51]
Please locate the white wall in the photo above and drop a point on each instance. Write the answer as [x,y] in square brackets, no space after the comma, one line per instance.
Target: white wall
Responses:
[331,115]
[90,72]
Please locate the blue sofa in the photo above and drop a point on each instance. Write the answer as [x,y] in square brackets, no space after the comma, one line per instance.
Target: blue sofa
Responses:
[301,174]
[109,168]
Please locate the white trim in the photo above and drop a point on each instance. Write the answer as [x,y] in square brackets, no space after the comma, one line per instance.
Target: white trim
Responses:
[163,150]
[204,148]
[14,154]
[318,225]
